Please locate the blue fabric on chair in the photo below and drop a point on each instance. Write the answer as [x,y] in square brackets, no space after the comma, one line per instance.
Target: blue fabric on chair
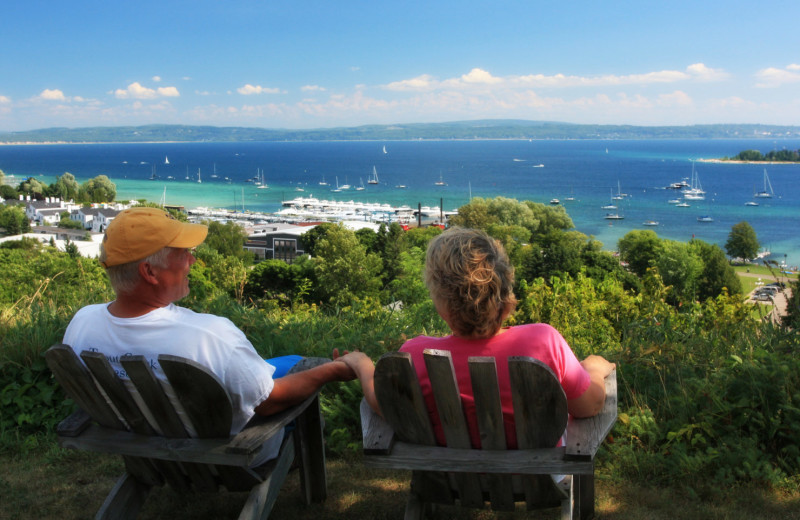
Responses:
[283,364]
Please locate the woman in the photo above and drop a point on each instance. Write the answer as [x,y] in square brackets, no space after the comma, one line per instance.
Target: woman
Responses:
[470,279]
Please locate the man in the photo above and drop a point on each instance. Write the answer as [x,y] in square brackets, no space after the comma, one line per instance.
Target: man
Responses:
[147,255]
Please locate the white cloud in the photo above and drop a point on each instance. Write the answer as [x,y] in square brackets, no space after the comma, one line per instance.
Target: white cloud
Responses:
[156,79]
[168,92]
[52,95]
[312,88]
[703,73]
[675,99]
[249,90]
[136,91]
[5,99]
[479,78]
[424,82]
[772,77]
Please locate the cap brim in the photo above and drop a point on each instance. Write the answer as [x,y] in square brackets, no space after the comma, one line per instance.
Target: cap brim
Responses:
[190,235]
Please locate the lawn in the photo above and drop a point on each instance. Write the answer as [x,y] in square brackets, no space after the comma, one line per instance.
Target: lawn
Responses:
[64,485]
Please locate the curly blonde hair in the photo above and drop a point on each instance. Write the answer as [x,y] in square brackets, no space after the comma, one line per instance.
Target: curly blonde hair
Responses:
[471,279]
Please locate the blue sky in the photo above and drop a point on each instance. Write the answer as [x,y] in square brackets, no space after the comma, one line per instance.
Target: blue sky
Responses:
[319,64]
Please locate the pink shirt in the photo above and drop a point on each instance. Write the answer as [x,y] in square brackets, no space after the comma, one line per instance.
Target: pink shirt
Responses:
[536,340]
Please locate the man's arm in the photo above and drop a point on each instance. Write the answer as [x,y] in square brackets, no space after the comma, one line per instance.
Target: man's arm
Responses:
[591,402]
[292,389]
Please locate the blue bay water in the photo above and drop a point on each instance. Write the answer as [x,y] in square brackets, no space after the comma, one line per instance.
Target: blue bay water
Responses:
[588,170]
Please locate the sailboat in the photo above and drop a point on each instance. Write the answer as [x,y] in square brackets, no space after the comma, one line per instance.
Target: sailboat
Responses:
[440,182]
[695,191]
[153,175]
[610,205]
[360,188]
[198,176]
[322,182]
[263,182]
[166,160]
[337,189]
[374,178]
[384,149]
[767,192]
[619,195]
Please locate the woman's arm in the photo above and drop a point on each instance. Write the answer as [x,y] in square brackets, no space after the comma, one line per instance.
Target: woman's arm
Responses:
[591,402]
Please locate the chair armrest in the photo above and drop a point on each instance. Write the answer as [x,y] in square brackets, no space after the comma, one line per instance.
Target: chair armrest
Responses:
[74,424]
[584,436]
[260,428]
[378,435]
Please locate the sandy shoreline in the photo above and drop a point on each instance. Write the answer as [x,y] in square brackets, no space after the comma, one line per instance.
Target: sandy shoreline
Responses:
[733,161]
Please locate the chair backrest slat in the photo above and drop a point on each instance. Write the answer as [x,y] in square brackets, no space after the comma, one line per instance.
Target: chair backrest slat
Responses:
[400,399]
[201,394]
[153,396]
[489,412]
[540,406]
[448,403]
[77,382]
[116,392]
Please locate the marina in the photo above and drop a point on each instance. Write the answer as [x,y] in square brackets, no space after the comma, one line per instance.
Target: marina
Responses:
[579,174]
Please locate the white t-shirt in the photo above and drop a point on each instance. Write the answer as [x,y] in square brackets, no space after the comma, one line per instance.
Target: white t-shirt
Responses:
[212,341]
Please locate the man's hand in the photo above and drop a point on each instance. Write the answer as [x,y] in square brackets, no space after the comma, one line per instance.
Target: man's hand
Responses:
[358,362]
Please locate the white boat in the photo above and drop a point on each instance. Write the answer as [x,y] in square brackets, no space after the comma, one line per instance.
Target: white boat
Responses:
[674,201]
[619,195]
[337,189]
[751,203]
[613,216]
[401,186]
[361,187]
[374,178]
[538,166]
[650,223]
[610,205]
[198,176]
[440,182]
[263,182]
[555,202]
[695,191]
[322,182]
[384,149]
[682,205]
[767,192]
[166,160]
[705,218]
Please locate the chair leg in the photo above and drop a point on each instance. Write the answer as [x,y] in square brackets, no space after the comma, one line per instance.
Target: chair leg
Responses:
[568,503]
[415,508]
[310,445]
[262,498]
[584,496]
[125,499]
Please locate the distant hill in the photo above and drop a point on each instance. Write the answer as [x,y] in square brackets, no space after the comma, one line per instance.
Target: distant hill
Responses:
[481,129]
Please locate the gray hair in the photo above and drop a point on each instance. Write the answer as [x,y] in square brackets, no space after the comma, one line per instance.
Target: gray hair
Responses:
[125,277]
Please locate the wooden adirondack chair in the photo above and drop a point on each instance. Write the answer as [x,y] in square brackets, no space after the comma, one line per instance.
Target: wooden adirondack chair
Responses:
[212,460]
[404,438]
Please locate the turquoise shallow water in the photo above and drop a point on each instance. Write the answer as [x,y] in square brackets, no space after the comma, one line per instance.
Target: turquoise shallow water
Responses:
[590,171]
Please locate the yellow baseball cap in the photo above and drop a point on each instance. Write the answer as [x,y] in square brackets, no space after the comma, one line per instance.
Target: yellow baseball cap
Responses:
[137,233]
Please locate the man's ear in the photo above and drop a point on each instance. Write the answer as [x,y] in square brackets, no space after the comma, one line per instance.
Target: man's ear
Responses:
[147,273]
